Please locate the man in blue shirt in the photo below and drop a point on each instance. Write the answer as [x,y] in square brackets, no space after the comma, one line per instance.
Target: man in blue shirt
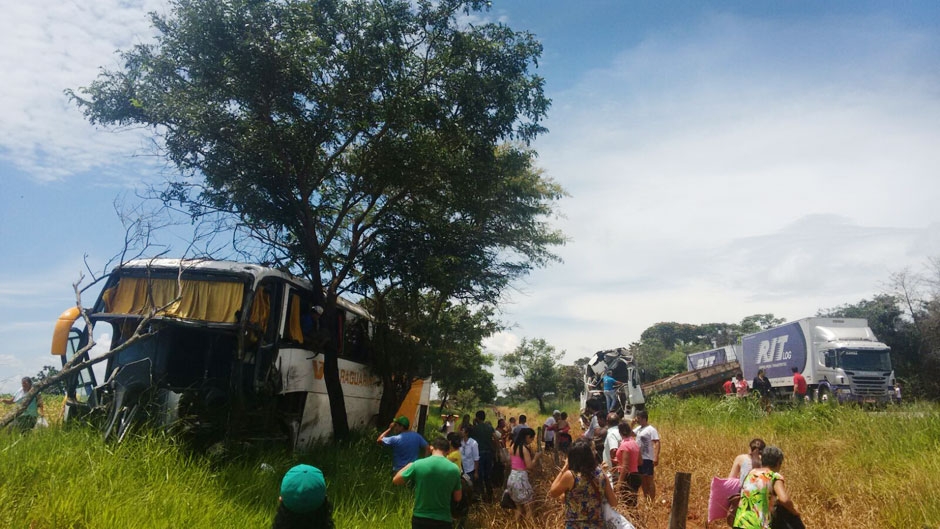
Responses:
[610,392]
[405,443]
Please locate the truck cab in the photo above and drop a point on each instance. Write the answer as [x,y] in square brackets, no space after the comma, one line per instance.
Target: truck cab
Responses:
[852,364]
[623,367]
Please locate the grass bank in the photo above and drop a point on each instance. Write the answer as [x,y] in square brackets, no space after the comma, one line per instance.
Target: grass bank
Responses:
[845,467]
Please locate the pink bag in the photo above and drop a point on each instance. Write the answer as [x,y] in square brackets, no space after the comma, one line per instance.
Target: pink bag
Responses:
[721,491]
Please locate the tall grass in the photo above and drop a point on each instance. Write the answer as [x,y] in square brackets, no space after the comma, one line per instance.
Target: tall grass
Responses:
[69,478]
[844,467]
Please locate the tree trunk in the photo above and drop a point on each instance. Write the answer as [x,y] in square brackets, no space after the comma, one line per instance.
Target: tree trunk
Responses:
[394,392]
[334,388]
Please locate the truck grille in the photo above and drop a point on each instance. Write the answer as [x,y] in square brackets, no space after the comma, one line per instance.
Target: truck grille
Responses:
[869,386]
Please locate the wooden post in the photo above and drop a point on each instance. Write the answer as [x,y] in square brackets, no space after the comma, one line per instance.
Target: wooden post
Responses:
[680,501]
[538,433]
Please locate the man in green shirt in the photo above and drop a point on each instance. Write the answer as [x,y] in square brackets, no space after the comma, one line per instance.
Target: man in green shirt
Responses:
[436,482]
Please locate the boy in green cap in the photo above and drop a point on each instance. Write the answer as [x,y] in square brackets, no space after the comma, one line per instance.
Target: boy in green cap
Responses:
[303,502]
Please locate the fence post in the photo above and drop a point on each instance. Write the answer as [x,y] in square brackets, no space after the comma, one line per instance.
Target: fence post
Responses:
[680,501]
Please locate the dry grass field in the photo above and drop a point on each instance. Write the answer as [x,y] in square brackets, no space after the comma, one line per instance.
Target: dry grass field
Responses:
[844,466]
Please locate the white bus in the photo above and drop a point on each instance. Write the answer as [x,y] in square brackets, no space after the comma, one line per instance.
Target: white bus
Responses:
[233,352]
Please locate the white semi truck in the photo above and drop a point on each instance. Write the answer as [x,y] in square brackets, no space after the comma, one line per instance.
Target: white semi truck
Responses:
[840,358]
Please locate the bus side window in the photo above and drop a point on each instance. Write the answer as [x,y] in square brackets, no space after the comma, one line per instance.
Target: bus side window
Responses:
[303,322]
[356,338]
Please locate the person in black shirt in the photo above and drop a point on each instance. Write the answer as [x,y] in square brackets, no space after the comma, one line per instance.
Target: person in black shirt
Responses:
[762,387]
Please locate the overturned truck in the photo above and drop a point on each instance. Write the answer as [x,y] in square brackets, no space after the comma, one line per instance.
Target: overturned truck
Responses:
[232,351]
[623,367]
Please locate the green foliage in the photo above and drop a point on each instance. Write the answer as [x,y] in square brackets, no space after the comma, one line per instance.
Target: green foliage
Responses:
[334,129]
[57,388]
[571,379]
[534,362]
[663,347]
[420,335]
[466,400]
[758,322]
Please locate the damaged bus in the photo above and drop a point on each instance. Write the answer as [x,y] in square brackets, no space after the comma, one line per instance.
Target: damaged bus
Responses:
[232,352]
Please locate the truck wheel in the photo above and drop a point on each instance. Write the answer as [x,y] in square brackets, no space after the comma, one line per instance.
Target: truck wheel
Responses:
[825,396]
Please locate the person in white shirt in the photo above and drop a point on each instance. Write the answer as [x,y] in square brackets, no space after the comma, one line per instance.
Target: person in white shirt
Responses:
[592,422]
[469,453]
[648,439]
[550,427]
[611,444]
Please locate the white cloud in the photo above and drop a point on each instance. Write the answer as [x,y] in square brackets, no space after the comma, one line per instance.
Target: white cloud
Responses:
[46,47]
[501,343]
[9,361]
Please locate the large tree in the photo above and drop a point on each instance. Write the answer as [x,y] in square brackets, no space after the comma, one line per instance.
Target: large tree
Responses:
[534,363]
[327,130]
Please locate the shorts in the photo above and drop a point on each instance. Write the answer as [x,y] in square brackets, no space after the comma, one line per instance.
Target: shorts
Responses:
[520,490]
[646,468]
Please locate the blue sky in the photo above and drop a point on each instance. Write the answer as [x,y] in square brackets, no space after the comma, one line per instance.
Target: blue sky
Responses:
[723,159]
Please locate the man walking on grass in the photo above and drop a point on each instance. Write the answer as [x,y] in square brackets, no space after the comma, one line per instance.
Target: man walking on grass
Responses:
[436,483]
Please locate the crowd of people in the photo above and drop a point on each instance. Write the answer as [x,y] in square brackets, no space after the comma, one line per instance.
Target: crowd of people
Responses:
[613,461]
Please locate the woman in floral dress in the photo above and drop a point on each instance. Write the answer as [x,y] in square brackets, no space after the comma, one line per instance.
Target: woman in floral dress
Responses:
[754,509]
[584,487]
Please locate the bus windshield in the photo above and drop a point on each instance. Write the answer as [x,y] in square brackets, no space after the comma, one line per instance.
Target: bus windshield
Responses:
[854,360]
[214,300]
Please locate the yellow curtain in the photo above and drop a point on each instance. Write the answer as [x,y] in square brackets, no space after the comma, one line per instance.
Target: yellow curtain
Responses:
[294,328]
[261,310]
[212,301]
